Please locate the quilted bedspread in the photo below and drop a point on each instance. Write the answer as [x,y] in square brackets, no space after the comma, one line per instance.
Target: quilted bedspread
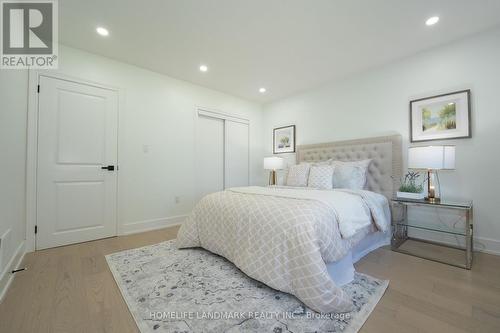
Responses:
[283,237]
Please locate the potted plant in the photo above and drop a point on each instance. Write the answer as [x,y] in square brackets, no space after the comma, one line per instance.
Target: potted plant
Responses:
[409,189]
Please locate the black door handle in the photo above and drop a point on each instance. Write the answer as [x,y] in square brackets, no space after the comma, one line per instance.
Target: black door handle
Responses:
[109,168]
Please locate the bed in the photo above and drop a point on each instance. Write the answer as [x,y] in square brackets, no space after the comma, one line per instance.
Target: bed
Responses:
[303,241]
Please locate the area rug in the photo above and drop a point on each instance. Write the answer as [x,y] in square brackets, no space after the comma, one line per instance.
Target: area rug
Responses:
[193,290]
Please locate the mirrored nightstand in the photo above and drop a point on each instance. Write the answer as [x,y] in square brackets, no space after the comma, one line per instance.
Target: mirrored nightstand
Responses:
[433,250]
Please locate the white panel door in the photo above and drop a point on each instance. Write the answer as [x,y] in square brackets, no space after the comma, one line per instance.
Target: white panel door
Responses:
[77,138]
[236,154]
[209,155]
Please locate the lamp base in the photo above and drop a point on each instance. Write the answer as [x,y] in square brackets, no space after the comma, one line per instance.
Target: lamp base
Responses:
[272,177]
[432,196]
[433,200]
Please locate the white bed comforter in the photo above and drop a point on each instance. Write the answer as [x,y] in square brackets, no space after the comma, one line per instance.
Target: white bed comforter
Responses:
[283,236]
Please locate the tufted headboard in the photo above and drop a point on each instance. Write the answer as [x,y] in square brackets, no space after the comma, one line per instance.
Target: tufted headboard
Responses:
[386,153]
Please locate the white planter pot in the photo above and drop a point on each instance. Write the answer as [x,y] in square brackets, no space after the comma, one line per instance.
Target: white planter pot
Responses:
[408,195]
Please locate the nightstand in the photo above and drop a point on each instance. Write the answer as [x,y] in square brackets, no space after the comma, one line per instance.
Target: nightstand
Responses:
[433,250]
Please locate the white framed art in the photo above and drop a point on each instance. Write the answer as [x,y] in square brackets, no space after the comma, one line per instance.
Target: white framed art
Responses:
[284,140]
[441,117]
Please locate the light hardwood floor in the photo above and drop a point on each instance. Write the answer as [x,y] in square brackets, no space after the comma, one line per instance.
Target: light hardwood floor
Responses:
[70,289]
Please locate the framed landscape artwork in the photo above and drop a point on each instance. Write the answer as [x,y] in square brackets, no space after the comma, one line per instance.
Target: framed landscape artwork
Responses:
[284,140]
[441,117]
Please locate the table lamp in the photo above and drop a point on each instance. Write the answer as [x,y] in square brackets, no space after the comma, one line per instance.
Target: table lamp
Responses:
[432,159]
[273,163]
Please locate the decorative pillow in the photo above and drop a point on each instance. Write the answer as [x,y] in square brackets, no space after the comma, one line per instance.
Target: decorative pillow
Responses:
[298,174]
[351,175]
[321,176]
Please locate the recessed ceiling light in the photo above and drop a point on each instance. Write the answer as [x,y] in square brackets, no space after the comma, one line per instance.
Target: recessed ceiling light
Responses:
[102,31]
[262,90]
[203,68]
[432,20]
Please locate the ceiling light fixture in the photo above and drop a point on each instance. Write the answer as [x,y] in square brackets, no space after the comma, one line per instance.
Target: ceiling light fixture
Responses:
[102,31]
[432,20]
[262,90]
[203,68]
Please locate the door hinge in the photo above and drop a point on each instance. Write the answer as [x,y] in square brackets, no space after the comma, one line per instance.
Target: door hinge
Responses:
[36,229]
[38,89]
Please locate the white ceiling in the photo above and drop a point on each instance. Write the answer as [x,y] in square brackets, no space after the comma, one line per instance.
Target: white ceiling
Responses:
[287,46]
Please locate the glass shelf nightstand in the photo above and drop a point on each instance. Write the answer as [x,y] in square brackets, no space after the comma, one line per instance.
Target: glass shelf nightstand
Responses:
[427,249]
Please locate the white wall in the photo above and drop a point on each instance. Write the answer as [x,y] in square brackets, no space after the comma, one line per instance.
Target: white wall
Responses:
[155,111]
[159,112]
[13,111]
[376,103]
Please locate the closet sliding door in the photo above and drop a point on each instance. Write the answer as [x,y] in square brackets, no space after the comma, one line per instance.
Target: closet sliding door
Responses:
[236,154]
[209,155]
[222,150]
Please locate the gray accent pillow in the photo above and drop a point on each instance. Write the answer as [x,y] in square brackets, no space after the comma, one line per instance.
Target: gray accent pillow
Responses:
[321,177]
[298,174]
[351,175]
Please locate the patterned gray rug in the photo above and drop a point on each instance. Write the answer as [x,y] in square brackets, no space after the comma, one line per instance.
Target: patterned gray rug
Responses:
[171,290]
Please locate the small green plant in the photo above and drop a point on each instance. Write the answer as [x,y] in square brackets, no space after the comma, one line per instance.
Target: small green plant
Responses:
[409,183]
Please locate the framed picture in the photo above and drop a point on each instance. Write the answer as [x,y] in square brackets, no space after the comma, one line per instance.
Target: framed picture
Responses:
[284,140]
[441,117]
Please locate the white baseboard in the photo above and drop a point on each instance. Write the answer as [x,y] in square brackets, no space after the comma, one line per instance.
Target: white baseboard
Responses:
[487,245]
[6,277]
[148,225]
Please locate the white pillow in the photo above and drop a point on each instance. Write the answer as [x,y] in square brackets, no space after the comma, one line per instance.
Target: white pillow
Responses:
[351,175]
[298,174]
[321,176]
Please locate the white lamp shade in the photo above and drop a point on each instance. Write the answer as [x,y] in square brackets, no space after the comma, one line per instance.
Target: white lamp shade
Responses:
[432,158]
[274,163]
